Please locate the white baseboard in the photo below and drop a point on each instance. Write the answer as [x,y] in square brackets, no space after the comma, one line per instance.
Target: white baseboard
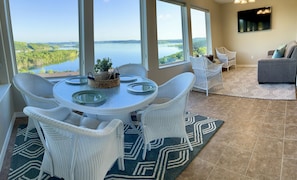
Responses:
[6,141]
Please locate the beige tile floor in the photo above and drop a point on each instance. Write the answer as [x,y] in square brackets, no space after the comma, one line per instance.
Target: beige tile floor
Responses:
[257,141]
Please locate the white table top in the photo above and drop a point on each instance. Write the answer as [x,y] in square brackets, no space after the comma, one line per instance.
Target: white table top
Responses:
[119,100]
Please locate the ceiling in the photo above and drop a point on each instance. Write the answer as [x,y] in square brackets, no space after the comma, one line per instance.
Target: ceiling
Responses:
[223,1]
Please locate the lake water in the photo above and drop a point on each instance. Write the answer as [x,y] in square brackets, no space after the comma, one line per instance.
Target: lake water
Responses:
[119,53]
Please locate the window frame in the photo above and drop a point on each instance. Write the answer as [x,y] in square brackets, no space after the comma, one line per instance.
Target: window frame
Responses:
[207,26]
[87,49]
[86,33]
[12,44]
[185,35]
[86,36]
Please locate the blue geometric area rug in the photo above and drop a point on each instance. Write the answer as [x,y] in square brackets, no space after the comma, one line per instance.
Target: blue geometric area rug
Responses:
[166,160]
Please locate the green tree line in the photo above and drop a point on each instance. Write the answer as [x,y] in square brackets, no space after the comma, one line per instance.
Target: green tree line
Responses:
[199,48]
[36,55]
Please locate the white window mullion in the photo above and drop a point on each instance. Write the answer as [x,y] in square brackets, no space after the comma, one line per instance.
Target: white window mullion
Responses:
[144,41]
[201,32]
[185,32]
[86,36]
[208,33]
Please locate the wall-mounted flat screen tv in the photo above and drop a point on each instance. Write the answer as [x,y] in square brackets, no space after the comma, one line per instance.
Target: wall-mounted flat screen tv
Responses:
[254,19]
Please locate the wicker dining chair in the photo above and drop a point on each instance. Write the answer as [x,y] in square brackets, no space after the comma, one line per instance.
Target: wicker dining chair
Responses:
[133,69]
[77,147]
[36,91]
[167,119]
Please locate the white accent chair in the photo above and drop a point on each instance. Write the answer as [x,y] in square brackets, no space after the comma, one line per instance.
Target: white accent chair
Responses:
[133,69]
[227,57]
[77,147]
[207,74]
[167,119]
[36,91]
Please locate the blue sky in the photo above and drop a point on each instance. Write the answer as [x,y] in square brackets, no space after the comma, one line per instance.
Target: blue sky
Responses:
[57,20]
[44,20]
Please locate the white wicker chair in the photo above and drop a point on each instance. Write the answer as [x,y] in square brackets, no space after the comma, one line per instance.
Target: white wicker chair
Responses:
[227,57]
[133,69]
[77,147]
[36,91]
[167,119]
[207,74]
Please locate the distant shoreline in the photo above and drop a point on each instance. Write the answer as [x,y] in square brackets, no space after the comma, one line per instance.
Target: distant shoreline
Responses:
[118,41]
[58,74]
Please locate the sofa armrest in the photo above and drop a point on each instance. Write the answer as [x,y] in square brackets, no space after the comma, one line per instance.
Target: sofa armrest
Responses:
[270,52]
[274,60]
[279,70]
[277,60]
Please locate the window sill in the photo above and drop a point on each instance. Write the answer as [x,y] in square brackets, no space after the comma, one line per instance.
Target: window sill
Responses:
[173,64]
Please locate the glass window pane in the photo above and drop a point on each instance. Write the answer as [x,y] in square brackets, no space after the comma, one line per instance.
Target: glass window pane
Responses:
[46,36]
[117,31]
[170,35]
[198,32]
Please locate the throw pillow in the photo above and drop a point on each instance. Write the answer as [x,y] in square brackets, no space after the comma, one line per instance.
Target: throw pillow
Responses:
[279,52]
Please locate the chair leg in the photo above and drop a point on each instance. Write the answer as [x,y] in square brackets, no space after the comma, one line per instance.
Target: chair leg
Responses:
[189,143]
[29,127]
[40,174]
[26,135]
[121,164]
[144,151]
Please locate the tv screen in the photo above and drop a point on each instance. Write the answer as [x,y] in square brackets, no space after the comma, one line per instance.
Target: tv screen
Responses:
[254,19]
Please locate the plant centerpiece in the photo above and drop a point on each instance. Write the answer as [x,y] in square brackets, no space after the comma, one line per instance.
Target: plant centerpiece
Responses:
[103,65]
[104,75]
[103,69]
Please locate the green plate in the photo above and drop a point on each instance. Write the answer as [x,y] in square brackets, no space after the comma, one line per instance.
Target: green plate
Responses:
[89,97]
[141,87]
[128,78]
[77,80]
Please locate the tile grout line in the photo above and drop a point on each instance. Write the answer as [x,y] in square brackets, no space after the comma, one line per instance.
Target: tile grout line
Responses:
[283,140]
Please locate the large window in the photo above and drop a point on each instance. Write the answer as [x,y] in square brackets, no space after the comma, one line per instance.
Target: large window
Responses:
[171,46]
[46,36]
[200,32]
[117,31]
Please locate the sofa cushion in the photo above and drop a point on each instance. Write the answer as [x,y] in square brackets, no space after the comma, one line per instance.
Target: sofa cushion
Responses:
[289,48]
[279,52]
[294,53]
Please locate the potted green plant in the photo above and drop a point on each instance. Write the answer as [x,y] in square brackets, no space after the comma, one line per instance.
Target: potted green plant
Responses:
[103,65]
[103,69]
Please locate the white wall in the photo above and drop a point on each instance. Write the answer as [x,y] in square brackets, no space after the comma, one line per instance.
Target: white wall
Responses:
[6,100]
[6,119]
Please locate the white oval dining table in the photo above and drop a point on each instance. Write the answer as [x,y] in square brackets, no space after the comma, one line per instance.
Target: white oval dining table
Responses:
[118,99]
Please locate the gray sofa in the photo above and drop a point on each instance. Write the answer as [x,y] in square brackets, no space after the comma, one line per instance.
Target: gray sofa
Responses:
[279,70]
